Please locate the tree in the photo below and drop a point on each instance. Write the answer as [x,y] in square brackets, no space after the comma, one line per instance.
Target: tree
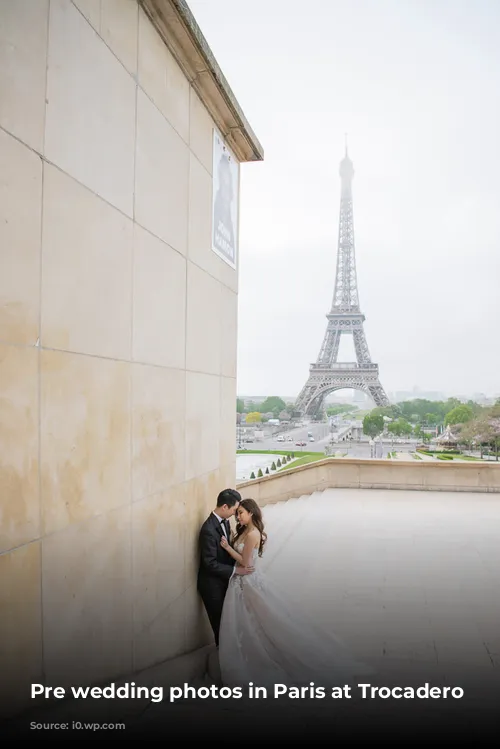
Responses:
[254,418]
[399,427]
[260,474]
[278,463]
[373,424]
[421,435]
[459,415]
[484,430]
[240,405]
[406,427]
[284,416]
[273,403]
[273,467]
[477,409]
[267,471]
[394,428]
[451,403]
[393,412]
[252,475]
[427,412]
[335,410]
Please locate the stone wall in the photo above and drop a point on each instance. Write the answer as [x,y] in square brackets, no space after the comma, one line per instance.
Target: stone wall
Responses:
[350,473]
[117,346]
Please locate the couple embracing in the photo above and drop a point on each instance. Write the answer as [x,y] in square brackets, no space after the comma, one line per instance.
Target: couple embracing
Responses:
[261,638]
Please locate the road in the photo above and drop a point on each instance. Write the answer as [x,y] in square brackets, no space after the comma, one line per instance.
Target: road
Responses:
[321,434]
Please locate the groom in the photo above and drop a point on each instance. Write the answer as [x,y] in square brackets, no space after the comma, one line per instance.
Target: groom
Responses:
[216,565]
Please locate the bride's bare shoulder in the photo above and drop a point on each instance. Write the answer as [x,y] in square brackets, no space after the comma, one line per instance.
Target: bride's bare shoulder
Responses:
[254,535]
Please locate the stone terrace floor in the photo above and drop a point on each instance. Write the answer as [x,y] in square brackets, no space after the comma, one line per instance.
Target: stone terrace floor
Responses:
[404,575]
[409,580]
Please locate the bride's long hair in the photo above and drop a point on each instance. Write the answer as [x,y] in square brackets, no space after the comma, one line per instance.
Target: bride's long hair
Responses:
[251,506]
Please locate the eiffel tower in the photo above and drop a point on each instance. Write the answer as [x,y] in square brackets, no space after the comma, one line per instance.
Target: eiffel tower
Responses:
[345,317]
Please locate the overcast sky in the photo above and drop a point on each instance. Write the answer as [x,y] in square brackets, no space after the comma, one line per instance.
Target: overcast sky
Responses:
[416,85]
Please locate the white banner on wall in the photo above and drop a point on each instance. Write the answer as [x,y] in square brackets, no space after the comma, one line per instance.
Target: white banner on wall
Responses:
[225,197]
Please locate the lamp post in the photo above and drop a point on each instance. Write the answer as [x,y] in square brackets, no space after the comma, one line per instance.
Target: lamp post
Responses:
[387,420]
[349,444]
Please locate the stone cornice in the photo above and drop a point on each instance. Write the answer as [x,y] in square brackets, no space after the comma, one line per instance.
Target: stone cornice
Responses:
[176,25]
[364,473]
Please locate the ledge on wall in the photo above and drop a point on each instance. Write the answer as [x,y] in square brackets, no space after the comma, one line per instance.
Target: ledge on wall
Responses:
[352,473]
[177,26]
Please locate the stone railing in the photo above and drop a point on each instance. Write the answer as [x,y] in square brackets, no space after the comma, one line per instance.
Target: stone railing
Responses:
[350,473]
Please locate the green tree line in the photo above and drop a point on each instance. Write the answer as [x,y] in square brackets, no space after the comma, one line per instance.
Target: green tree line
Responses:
[417,416]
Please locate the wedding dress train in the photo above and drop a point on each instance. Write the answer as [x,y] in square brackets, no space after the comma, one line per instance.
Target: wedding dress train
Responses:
[267,641]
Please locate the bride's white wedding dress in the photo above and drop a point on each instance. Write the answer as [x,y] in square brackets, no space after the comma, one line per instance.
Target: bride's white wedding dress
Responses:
[266,641]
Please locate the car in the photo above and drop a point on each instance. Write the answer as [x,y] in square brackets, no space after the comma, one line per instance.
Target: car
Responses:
[301,444]
[311,439]
[280,438]
[289,439]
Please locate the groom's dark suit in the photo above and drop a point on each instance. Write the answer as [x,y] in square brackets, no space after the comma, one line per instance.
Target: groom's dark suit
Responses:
[216,568]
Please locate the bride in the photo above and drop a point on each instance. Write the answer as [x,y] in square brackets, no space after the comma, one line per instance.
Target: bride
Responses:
[264,641]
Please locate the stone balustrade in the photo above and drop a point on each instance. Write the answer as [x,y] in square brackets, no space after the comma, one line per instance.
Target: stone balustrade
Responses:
[349,473]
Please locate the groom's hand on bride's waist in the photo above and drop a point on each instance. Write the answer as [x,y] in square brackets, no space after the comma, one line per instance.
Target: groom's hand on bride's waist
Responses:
[244,570]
